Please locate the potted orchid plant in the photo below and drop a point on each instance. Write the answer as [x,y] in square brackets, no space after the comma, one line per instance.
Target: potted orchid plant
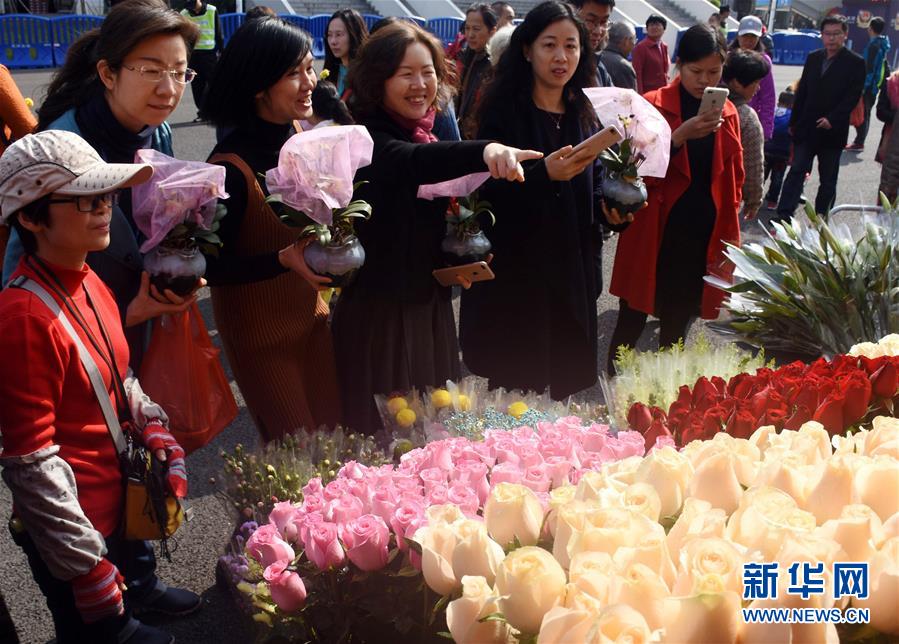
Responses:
[465,242]
[623,189]
[313,184]
[179,213]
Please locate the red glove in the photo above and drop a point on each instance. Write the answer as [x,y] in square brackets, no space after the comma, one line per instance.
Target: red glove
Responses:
[156,437]
[98,594]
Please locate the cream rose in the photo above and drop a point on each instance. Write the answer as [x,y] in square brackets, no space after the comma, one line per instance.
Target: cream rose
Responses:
[570,519]
[716,481]
[746,455]
[858,530]
[832,490]
[475,553]
[565,625]
[621,623]
[511,511]
[643,499]
[786,471]
[883,439]
[592,590]
[883,597]
[651,550]
[697,519]
[530,582]
[589,562]
[701,557]
[762,437]
[669,472]
[437,546]
[643,589]
[477,601]
[877,486]
[608,529]
[558,497]
[446,514]
[710,614]
[765,516]
[596,487]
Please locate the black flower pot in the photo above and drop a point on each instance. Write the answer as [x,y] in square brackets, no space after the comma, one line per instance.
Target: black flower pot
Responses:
[465,249]
[626,196]
[176,269]
[338,262]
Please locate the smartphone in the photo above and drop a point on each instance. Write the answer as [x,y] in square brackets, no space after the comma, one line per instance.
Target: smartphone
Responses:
[605,138]
[713,100]
[464,275]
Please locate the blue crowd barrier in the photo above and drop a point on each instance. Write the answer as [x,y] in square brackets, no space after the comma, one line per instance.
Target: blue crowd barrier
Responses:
[230,22]
[370,20]
[445,28]
[68,29]
[318,29]
[27,41]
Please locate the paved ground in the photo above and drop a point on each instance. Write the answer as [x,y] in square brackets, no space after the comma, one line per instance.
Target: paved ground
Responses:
[199,541]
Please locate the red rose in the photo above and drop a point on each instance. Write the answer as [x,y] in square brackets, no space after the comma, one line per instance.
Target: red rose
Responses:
[720,385]
[741,385]
[704,394]
[775,417]
[857,394]
[830,414]
[801,415]
[741,424]
[639,417]
[885,381]
[656,430]
[714,419]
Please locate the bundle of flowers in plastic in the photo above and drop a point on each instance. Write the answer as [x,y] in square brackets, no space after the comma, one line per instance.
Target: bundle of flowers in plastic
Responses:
[178,192]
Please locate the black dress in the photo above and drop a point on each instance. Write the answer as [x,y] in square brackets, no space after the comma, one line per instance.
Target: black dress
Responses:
[394,327]
[534,326]
[685,243]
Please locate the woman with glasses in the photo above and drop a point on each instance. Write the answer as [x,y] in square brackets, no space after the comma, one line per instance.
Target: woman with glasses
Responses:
[272,321]
[59,459]
[118,85]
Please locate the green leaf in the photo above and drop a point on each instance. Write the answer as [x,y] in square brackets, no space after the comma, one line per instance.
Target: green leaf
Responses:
[493,617]
[413,545]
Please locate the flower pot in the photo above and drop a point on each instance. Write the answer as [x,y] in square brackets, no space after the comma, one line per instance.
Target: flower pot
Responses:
[625,195]
[338,262]
[176,269]
[464,249]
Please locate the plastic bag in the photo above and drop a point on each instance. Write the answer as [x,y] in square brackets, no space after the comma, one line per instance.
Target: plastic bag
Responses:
[181,372]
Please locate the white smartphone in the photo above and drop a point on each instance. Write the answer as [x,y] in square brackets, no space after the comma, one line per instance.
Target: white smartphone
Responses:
[713,100]
[606,137]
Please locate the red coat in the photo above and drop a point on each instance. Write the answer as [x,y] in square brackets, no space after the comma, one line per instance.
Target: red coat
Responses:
[634,274]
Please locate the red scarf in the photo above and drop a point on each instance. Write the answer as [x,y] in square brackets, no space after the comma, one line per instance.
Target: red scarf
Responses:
[419,129]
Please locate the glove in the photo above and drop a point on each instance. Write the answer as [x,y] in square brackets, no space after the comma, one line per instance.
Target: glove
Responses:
[98,594]
[156,437]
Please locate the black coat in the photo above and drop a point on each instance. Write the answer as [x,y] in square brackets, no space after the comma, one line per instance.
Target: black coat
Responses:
[394,327]
[534,326]
[833,95]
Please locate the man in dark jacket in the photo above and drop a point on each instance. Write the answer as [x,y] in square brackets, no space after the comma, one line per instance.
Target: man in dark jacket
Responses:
[622,39]
[828,90]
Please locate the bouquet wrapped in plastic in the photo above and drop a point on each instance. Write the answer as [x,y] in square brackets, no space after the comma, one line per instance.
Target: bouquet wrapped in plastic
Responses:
[180,192]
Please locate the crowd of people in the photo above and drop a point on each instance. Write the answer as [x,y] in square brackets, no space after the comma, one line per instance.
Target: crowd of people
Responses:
[503,99]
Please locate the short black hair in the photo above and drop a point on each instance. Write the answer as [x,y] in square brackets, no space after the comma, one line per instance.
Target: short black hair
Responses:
[745,67]
[786,98]
[698,42]
[259,53]
[654,17]
[877,25]
[835,19]
[579,4]
[37,212]
[725,8]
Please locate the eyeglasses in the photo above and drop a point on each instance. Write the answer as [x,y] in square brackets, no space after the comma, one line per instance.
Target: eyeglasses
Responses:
[90,203]
[596,23]
[155,74]
[832,34]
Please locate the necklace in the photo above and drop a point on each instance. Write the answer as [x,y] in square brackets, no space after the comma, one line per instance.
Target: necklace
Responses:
[556,119]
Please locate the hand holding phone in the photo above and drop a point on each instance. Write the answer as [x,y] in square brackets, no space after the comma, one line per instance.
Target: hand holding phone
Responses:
[605,138]
[713,99]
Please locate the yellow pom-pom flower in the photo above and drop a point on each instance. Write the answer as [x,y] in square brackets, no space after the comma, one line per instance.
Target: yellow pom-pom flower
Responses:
[464,403]
[405,418]
[441,398]
[396,404]
[517,409]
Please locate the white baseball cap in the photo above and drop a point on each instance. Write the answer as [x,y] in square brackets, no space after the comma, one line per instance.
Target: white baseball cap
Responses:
[61,162]
[750,25]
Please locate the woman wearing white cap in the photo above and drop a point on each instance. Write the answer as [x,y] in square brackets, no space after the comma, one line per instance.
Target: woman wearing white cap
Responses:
[59,458]
[765,100]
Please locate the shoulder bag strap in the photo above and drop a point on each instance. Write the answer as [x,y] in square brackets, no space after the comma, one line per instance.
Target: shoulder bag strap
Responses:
[93,373]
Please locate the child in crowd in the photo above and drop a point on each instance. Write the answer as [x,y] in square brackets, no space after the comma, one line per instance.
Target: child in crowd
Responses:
[778,148]
[327,108]
[744,70]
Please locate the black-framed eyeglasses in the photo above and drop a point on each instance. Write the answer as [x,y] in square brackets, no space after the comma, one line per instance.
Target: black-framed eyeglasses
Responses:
[90,203]
[155,74]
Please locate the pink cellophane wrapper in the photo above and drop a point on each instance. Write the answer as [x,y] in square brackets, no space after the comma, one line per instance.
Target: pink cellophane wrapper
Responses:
[316,168]
[179,191]
[650,130]
[459,187]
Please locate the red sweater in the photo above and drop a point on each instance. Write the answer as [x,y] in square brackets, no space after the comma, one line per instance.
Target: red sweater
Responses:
[46,398]
[651,64]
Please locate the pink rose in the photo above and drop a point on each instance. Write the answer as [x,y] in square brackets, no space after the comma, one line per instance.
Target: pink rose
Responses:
[474,475]
[383,502]
[407,484]
[431,477]
[595,438]
[535,477]
[352,470]
[505,473]
[462,495]
[343,509]
[335,489]
[361,490]
[283,515]
[406,519]
[306,523]
[323,546]
[528,455]
[313,503]
[286,587]
[625,444]
[557,469]
[366,540]
[506,451]
[437,495]
[267,546]
[439,454]
[313,487]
